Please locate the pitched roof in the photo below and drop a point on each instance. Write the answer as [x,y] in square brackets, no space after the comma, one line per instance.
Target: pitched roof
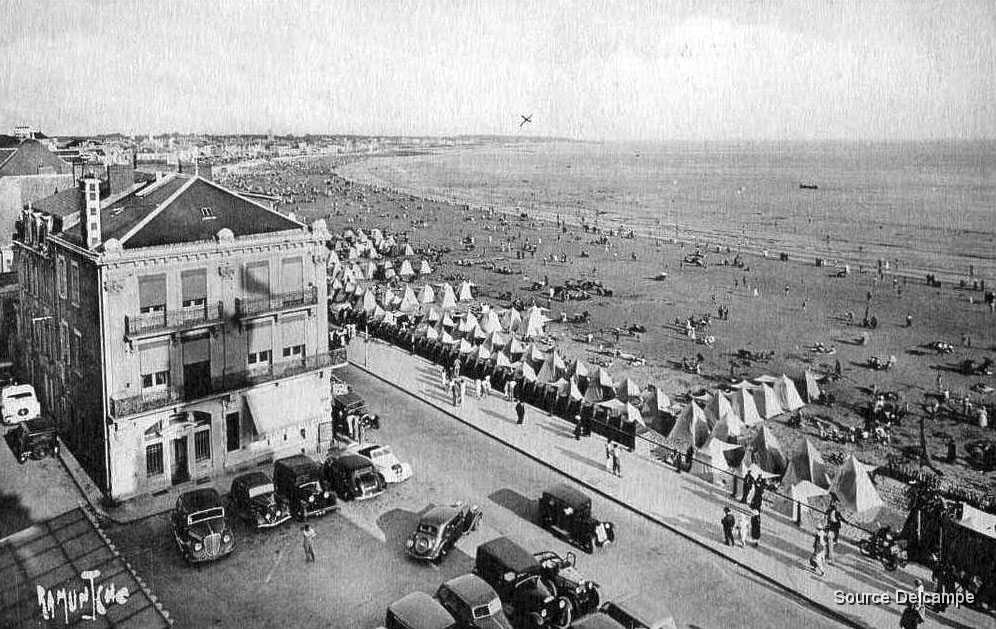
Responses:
[28,157]
[62,203]
[183,208]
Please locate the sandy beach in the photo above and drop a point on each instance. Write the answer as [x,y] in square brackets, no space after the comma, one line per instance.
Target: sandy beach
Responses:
[782,306]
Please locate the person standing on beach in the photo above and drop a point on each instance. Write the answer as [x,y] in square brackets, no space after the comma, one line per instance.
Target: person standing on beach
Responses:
[308,536]
[520,412]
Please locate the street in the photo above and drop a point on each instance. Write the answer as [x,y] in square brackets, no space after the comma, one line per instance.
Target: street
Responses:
[362,566]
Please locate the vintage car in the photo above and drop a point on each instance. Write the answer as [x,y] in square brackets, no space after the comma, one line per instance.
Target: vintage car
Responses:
[254,500]
[639,612]
[353,477]
[566,512]
[199,526]
[581,593]
[473,603]
[393,470]
[418,610]
[598,620]
[18,403]
[439,529]
[36,439]
[351,403]
[527,598]
[299,483]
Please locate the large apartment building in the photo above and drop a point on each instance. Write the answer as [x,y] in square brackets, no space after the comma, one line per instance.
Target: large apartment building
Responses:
[174,329]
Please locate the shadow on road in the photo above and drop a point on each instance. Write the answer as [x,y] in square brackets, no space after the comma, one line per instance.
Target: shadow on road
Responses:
[398,524]
[13,515]
[522,506]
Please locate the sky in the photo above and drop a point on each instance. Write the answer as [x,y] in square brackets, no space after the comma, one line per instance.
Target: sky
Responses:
[597,70]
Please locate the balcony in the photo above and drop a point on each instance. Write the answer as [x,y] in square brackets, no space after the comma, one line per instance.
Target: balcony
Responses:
[229,381]
[276,302]
[152,323]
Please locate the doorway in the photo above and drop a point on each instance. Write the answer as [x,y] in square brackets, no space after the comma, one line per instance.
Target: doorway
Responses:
[181,468]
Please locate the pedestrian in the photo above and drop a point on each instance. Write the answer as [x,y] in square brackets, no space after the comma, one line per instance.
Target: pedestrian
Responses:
[689,458]
[912,617]
[748,485]
[462,387]
[520,412]
[616,461]
[443,379]
[740,531]
[728,523]
[308,536]
[455,392]
[577,428]
[909,320]
[509,389]
[755,528]
[817,559]
[834,519]
[608,455]
[756,500]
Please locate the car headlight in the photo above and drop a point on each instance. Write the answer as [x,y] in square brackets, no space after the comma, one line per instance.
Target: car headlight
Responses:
[198,546]
[409,543]
[227,537]
[543,613]
[325,495]
[269,517]
[311,498]
[279,513]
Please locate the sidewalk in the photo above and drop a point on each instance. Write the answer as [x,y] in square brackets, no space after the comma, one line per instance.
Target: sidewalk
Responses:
[682,503]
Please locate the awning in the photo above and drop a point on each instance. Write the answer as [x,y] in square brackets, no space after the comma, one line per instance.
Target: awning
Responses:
[287,404]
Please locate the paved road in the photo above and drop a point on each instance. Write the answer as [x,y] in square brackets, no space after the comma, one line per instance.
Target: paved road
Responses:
[361,566]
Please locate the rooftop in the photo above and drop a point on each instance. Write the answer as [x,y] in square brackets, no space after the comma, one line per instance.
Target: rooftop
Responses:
[28,158]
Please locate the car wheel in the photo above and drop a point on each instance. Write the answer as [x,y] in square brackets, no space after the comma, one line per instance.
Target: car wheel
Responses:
[563,621]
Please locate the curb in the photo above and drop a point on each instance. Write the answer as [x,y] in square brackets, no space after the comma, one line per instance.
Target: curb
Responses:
[798,596]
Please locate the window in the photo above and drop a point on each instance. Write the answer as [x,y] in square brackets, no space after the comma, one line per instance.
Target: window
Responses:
[261,357]
[74,284]
[157,380]
[64,344]
[152,293]
[207,214]
[292,275]
[202,445]
[193,288]
[294,351]
[76,350]
[154,459]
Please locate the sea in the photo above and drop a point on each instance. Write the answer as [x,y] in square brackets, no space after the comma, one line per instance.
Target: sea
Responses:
[924,207]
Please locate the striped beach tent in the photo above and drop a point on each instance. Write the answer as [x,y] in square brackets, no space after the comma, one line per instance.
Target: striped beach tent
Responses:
[743,405]
[691,426]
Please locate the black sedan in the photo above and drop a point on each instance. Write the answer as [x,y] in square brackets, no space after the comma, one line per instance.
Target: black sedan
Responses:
[439,529]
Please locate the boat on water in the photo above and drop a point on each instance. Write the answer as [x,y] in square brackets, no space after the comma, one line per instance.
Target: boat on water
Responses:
[808,186]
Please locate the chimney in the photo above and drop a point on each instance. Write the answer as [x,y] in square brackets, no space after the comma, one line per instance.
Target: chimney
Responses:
[91,211]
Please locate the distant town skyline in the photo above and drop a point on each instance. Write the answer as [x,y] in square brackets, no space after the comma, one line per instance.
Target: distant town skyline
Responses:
[687,70]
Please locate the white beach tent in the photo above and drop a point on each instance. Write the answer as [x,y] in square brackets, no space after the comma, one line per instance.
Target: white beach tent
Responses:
[409,302]
[691,426]
[388,299]
[711,463]
[482,353]
[448,298]
[510,319]
[515,348]
[595,393]
[855,490]
[655,402]
[743,405]
[628,390]
[406,271]
[579,369]
[788,395]
[807,465]
[571,390]
[468,323]
[490,322]
[408,251]
[465,293]
[553,367]
[767,452]
[718,408]
[369,301]
[501,359]
[424,268]
[527,372]
[426,295]
[729,428]
[813,391]
[533,321]
[767,402]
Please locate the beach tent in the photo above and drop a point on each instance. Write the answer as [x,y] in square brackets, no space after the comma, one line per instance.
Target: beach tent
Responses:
[448,299]
[745,385]
[377,314]
[490,322]
[729,428]
[482,353]
[388,264]
[510,319]
[594,393]
[743,405]
[426,295]
[807,465]
[855,490]
[766,379]
[408,251]
[571,390]
[718,408]
[369,301]
[632,414]
[813,392]
[389,319]
[767,402]
[788,395]
[333,259]
[514,348]
[604,379]
[579,369]
[464,293]
[433,314]
[768,453]
[496,340]
[447,320]
[813,496]
[628,390]
[553,367]
[431,333]
[406,271]
[614,406]
[655,402]
[468,323]
[445,337]
[691,426]
[533,321]
[465,346]
[523,369]
[711,461]
[424,268]
[409,303]
[501,360]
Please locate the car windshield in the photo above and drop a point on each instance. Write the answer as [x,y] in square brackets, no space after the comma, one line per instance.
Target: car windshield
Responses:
[309,486]
[428,529]
[261,490]
[366,478]
[207,514]
[19,396]
[486,611]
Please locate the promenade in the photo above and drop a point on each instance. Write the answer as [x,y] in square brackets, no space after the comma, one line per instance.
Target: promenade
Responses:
[682,503]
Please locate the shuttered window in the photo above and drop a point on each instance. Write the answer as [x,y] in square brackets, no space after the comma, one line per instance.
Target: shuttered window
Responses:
[152,293]
[154,365]
[193,287]
[292,275]
[196,350]
[292,337]
[154,459]
[260,344]
[257,279]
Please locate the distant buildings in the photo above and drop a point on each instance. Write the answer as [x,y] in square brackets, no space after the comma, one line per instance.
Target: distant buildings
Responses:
[174,329]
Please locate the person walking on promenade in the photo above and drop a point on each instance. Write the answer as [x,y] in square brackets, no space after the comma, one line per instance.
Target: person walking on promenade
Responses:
[757,500]
[443,377]
[748,485]
[577,428]
[755,528]
[912,617]
[462,388]
[608,455]
[818,558]
[728,522]
[740,531]
[308,536]
[616,461]
[834,519]
[689,458]
[455,392]
[520,412]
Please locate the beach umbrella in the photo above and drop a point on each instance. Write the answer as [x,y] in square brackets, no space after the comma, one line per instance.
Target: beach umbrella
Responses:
[743,405]
[788,395]
[691,426]
[426,295]
[464,293]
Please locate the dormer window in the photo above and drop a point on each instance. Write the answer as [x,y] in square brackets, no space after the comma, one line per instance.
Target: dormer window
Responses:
[207,214]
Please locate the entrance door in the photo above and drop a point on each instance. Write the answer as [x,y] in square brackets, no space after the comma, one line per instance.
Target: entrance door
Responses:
[232,434]
[181,470]
[196,367]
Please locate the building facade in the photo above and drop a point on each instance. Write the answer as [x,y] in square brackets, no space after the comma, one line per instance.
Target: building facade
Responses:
[178,330]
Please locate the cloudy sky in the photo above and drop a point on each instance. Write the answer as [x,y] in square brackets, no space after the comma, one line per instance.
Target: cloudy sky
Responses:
[743,69]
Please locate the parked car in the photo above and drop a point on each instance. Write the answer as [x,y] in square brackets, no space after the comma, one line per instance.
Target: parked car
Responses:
[439,529]
[598,620]
[566,512]
[36,439]
[299,482]
[527,598]
[199,526]
[353,477]
[18,403]
[638,612]
[254,499]
[473,603]
[351,403]
[393,470]
[418,610]
[581,593]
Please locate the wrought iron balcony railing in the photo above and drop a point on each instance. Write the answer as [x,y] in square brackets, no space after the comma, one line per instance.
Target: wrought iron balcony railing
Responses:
[276,302]
[172,320]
